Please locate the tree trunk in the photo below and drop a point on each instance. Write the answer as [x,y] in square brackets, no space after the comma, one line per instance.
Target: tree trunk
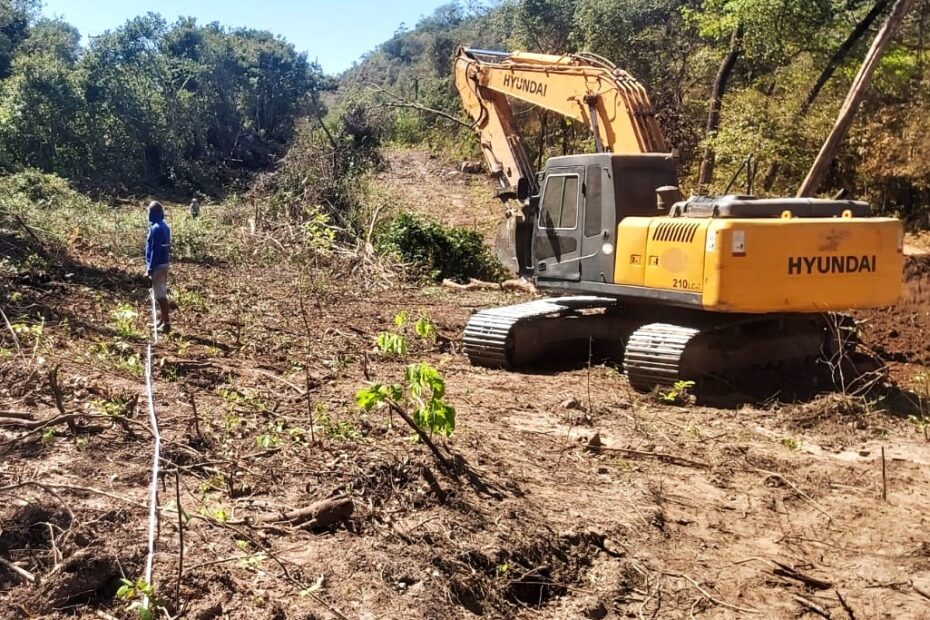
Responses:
[713,110]
[543,134]
[822,163]
[835,61]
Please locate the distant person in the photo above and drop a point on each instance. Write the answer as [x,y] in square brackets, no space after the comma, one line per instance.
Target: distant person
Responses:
[195,208]
[157,257]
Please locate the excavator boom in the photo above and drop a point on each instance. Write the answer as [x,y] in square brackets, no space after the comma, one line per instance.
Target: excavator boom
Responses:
[583,87]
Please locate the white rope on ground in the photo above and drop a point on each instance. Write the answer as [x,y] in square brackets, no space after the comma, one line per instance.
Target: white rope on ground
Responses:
[156,457]
[154,319]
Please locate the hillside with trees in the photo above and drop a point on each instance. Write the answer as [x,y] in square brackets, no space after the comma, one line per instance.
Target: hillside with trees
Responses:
[791,65]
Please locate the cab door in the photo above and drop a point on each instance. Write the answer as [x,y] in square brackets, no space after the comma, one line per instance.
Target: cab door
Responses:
[557,237]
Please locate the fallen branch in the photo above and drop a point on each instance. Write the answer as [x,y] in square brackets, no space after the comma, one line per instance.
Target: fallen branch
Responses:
[21,415]
[51,488]
[919,590]
[29,231]
[400,102]
[22,572]
[849,610]
[37,425]
[48,488]
[282,380]
[317,515]
[481,285]
[783,570]
[812,606]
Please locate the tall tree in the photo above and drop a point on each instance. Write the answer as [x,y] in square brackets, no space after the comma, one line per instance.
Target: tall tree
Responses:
[836,60]
[818,170]
[713,106]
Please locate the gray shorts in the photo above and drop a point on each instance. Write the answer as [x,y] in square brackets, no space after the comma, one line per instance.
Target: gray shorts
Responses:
[160,282]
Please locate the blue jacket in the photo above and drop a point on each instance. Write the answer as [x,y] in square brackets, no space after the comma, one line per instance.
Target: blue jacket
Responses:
[158,243]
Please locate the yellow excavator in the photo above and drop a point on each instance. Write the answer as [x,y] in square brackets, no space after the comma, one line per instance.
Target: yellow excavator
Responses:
[704,288]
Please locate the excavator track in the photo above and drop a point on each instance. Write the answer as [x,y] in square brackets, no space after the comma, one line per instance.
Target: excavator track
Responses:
[729,351]
[653,354]
[490,335]
[705,348]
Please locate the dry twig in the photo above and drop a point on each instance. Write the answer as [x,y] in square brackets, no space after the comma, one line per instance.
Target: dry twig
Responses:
[19,349]
[56,393]
[846,606]
[709,597]
[921,591]
[811,605]
[804,495]
[783,570]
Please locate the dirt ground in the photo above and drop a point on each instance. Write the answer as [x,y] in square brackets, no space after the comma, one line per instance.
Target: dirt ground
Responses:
[568,495]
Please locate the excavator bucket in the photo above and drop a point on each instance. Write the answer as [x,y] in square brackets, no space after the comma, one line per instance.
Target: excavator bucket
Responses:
[505,245]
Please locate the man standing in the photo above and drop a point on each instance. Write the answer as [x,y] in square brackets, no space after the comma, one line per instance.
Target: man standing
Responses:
[195,209]
[157,257]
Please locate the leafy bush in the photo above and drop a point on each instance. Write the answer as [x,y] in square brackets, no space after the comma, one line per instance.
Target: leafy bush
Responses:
[438,251]
[46,189]
[391,344]
[124,322]
[678,394]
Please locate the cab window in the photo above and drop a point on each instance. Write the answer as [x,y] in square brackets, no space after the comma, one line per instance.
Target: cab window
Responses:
[559,206]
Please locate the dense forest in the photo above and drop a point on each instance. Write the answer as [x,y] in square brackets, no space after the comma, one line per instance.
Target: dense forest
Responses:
[149,103]
[193,107]
[790,65]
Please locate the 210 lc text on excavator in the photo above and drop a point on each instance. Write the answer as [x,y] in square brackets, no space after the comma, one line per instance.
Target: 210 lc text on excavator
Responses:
[697,289]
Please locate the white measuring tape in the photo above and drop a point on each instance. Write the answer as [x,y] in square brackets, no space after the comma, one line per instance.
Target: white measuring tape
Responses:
[156,457]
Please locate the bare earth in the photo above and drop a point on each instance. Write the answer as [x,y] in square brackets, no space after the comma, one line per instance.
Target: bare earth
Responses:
[764,510]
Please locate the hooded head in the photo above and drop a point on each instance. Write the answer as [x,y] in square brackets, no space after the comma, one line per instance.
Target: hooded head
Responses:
[156,212]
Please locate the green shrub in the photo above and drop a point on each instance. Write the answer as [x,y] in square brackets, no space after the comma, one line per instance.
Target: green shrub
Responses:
[39,187]
[438,251]
[421,394]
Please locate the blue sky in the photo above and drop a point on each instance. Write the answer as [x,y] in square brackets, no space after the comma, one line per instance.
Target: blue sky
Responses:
[333,33]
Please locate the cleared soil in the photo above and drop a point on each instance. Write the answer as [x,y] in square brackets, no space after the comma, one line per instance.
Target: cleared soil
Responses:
[569,496]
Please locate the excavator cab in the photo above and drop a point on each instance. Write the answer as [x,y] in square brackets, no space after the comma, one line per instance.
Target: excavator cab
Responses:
[581,201]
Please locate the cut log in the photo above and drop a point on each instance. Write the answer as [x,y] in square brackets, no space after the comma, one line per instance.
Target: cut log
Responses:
[480,285]
[317,515]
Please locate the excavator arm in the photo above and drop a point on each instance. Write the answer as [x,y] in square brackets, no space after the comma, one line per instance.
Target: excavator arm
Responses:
[583,87]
